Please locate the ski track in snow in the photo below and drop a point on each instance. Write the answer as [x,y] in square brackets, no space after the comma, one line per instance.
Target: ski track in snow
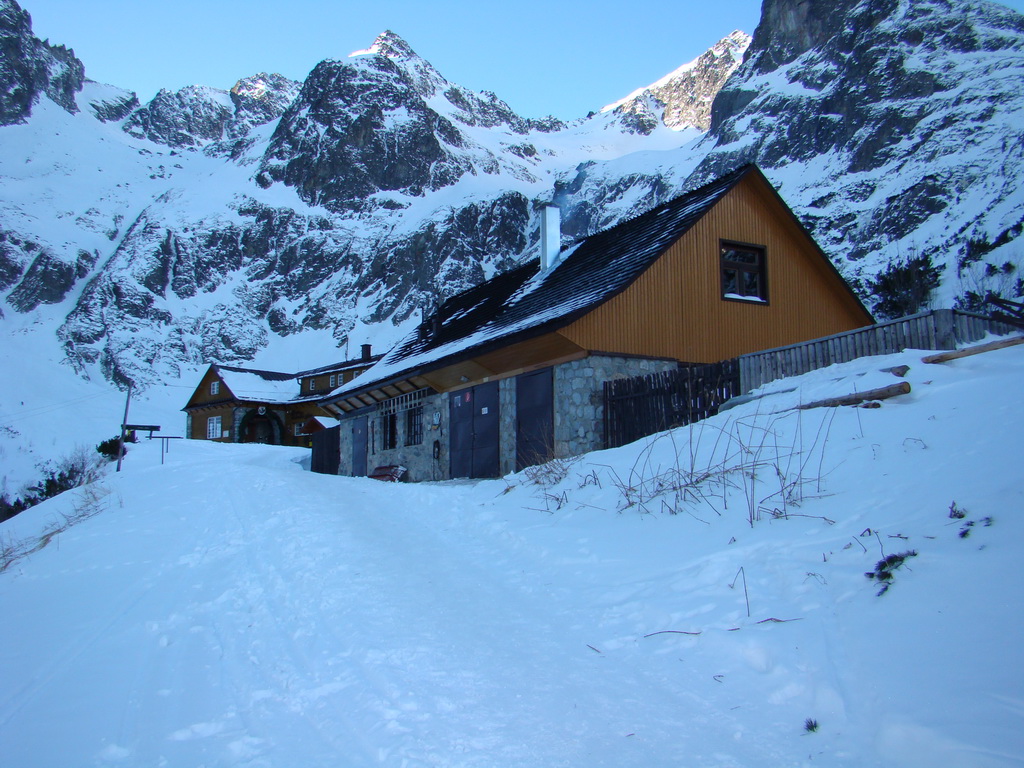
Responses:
[230,608]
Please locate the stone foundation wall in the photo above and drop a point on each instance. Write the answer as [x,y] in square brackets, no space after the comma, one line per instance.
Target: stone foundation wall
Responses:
[579,397]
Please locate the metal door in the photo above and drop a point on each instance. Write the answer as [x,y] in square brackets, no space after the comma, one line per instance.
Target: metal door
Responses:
[326,457]
[535,418]
[359,429]
[474,431]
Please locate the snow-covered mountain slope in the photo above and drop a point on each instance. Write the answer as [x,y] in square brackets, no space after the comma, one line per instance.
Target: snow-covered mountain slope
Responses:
[228,608]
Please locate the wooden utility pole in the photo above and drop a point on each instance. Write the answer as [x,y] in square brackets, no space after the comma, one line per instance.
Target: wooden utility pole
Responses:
[124,422]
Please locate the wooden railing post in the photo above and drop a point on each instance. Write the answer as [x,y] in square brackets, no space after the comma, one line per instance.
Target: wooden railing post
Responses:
[945,329]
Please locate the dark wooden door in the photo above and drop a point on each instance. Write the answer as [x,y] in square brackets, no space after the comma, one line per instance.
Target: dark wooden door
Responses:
[359,429]
[535,418]
[474,431]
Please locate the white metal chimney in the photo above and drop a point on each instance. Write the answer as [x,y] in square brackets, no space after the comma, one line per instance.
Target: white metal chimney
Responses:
[550,236]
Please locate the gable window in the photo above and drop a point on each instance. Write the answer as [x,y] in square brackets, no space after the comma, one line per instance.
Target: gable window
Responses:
[388,431]
[213,427]
[743,272]
[214,387]
[414,425]
[333,378]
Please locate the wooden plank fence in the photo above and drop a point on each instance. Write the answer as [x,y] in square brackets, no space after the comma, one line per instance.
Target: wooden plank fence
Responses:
[935,329]
[643,405]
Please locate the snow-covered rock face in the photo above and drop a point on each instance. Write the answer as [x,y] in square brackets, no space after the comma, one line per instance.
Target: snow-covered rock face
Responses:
[260,99]
[196,115]
[29,67]
[385,121]
[892,128]
[683,98]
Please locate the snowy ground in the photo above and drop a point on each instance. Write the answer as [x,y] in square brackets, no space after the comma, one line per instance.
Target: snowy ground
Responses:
[230,608]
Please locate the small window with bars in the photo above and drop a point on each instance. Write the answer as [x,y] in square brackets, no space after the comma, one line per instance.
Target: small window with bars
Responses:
[388,431]
[414,425]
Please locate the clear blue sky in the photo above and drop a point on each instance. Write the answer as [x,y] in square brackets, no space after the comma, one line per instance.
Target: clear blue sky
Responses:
[560,57]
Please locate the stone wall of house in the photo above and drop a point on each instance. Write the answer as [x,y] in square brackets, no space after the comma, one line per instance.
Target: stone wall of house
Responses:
[419,460]
[578,419]
[579,397]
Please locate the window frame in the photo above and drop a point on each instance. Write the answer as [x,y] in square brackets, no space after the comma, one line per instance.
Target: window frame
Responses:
[214,387]
[211,422]
[759,269]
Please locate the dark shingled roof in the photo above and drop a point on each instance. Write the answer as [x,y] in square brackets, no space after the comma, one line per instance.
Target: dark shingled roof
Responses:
[523,302]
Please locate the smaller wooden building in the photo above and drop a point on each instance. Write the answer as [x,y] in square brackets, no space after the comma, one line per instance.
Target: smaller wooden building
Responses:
[510,373]
[246,405]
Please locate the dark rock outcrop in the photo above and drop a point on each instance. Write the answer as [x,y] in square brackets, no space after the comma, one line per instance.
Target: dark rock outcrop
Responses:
[30,67]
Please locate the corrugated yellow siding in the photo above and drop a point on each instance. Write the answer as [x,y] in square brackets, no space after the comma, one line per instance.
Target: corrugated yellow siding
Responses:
[675,309]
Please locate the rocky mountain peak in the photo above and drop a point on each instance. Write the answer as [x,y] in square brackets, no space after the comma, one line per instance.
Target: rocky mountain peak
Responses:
[391,45]
[260,98]
[190,117]
[197,115]
[683,98]
[399,54]
[375,123]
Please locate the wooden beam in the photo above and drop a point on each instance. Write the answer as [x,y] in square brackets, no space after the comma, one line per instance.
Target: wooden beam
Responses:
[881,393]
[943,357]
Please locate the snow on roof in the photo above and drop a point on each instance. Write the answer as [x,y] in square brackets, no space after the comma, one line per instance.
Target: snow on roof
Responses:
[344,365]
[526,301]
[263,386]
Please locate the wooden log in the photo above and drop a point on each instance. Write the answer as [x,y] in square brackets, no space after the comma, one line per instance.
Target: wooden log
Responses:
[859,397]
[943,357]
